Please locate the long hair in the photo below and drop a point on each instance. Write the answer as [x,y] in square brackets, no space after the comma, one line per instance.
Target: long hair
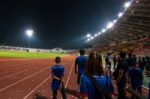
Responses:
[94,64]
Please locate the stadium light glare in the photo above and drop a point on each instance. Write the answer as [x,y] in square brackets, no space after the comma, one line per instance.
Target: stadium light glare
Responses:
[88,39]
[120,14]
[29,32]
[110,25]
[88,35]
[115,21]
[127,4]
[103,30]
[99,33]
[95,35]
[92,37]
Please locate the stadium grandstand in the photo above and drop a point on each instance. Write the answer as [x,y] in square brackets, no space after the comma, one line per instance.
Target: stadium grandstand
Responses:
[131,30]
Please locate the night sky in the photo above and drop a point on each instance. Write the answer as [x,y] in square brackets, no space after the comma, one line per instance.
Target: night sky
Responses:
[56,23]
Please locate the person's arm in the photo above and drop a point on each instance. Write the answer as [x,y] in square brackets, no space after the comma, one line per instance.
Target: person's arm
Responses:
[62,76]
[54,77]
[84,97]
[53,74]
[76,66]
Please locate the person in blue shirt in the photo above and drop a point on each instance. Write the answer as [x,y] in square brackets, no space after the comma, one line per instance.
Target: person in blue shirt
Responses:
[80,64]
[94,68]
[136,77]
[57,72]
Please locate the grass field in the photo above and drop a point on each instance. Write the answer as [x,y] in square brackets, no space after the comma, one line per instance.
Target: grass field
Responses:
[18,54]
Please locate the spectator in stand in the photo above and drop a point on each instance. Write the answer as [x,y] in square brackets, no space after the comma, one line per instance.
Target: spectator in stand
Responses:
[115,61]
[122,69]
[135,77]
[57,72]
[80,64]
[95,70]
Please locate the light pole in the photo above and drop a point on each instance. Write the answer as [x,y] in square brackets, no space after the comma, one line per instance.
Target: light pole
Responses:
[29,33]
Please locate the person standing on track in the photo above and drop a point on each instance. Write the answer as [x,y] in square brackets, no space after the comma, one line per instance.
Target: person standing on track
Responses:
[108,60]
[136,77]
[122,69]
[94,70]
[80,64]
[57,72]
[115,61]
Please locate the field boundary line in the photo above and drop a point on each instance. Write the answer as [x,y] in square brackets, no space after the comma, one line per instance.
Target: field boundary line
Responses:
[13,74]
[23,79]
[36,87]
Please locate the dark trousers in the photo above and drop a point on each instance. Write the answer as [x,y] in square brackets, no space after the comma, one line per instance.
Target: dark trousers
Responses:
[121,88]
[63,92]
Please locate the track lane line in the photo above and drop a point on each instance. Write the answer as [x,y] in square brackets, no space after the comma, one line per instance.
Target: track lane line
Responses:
[23,79]
[36,87]
[69,76]
[13,74]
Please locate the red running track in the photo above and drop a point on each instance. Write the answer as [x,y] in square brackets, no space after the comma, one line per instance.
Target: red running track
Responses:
[23,78]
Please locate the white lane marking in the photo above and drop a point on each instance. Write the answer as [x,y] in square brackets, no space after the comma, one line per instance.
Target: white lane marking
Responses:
[22,79]
[13,74]
[69,76]
[36,88]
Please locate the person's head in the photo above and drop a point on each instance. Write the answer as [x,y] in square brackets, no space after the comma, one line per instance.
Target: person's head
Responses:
[82,52]
[57,60]
[122,54]
[140,58]
[94,64]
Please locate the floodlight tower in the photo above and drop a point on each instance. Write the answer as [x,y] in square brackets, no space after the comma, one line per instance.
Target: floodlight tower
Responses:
[29,33]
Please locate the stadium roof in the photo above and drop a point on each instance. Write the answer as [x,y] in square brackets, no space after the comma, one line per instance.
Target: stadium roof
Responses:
[133,24]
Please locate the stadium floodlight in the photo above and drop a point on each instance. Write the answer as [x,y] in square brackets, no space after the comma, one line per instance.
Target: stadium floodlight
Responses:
[120,14]
[99,33]
[88,35]
[88,39]
[29,32]
[115,21]
[103,30]
[95,35]
[127,4]
[110,25]
[92,37]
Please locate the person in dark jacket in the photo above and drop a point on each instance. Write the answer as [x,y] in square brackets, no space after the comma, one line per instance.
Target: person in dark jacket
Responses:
[122,68]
